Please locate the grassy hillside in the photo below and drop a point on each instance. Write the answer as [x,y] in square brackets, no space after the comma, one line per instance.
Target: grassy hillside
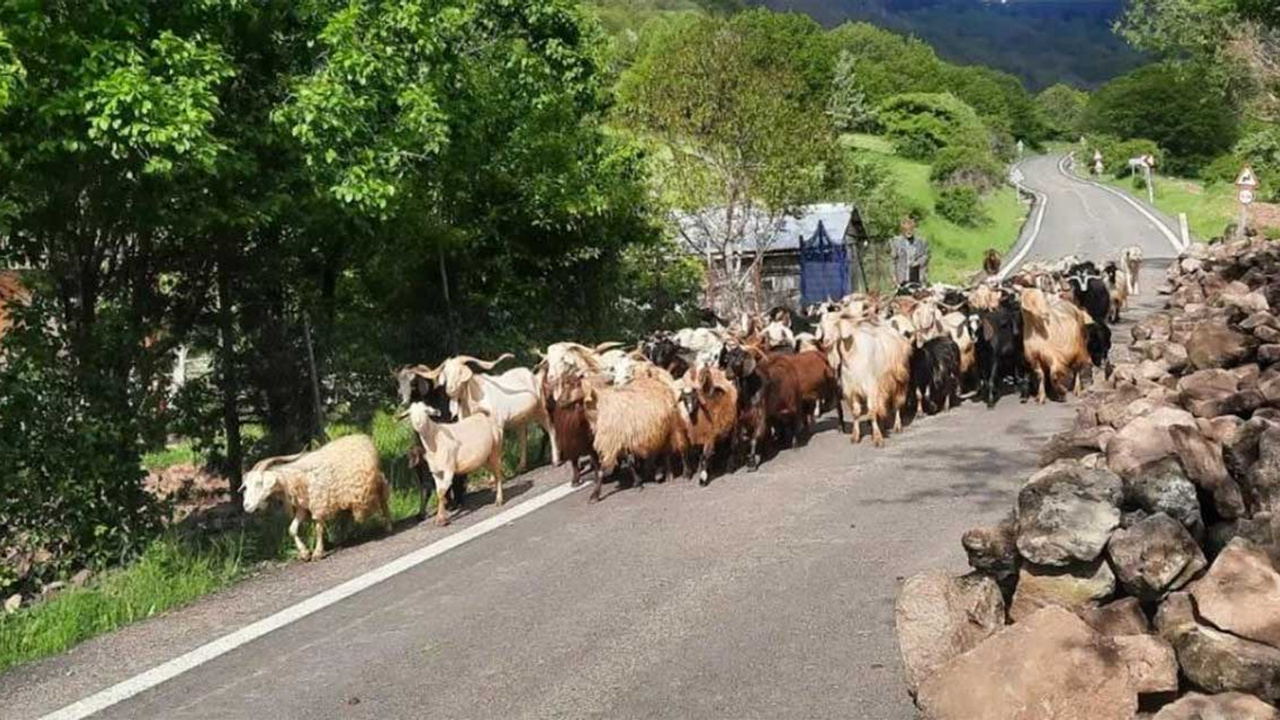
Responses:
[957,251]
[1209,208]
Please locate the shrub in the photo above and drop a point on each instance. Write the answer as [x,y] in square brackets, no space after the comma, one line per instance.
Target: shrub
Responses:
[962,205]
[923,124]
[967,166]
[1116,153]
[70,457]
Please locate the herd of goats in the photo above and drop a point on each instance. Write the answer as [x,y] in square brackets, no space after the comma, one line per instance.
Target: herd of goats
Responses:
[721,393]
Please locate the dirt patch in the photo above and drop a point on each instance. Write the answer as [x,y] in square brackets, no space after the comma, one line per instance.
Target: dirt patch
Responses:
[194,497]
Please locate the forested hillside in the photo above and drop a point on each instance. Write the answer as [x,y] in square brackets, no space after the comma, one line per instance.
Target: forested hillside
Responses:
[1042,42]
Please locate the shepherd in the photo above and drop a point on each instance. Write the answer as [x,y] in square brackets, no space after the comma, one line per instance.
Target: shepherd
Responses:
[910,255]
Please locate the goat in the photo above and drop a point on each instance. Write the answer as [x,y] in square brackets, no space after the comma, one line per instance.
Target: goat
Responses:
[1054,341]
[819,389]
[343,475]
[710,404]
[1089,290]
[513,398]
[566,404]
[1131,260]
[639,420]
[453,449]
[935,375]
[874,362]
[1000,351]
[417,459]
[741,366]
[1118,285]
[662,350]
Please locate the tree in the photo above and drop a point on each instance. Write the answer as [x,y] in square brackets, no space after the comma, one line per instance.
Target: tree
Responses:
[923,124]
[1063,107]
[742,148]
[848,106]
[1194,122]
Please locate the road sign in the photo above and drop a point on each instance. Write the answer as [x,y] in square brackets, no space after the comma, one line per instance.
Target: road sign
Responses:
[1246,196]
[1247,179]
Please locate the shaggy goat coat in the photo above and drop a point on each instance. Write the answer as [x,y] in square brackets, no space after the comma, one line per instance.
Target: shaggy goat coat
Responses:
[639,419]
[1054,339]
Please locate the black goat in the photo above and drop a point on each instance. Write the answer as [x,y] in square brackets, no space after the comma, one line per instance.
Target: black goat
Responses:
[1089,288]
[661,350]
[935,375]
[1098,341]
[999,347]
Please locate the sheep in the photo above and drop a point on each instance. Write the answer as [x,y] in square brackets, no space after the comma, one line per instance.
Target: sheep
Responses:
[1131,260]
[874,370]
[453,449]
[709,403]
[1054,340]
[343,475]
[639,420]
[513,398]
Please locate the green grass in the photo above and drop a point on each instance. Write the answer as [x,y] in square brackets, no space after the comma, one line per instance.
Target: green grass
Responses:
[1209,208]
[957,251]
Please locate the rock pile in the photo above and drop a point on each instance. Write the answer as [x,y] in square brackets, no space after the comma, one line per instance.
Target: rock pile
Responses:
[1136,576]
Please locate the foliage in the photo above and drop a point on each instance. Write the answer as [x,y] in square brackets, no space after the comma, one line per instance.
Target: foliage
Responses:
[923,124]
[848,105]
[1116,153]
[961,205]
[1170,105]
[72,481]
[967,165]
[999,98]
[1261,151]
[727,103]
[869,184]
[1063,107]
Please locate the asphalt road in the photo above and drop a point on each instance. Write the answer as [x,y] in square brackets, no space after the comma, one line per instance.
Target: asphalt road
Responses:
[764,595]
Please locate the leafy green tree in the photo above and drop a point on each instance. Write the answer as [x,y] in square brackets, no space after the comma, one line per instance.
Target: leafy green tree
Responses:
[1192,121]
[741,147]
[1062,108]
[848,105]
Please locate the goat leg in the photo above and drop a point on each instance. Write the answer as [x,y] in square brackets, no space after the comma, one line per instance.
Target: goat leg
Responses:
[598,483]
[524,449]
[877,437]
[318,553]
[304,553]
[577,473]
[703,476]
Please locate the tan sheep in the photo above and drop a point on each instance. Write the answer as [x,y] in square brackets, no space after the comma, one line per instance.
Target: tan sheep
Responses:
[321,484]
[640,420]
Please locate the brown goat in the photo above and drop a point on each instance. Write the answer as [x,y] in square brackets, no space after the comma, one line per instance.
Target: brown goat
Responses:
[566,406]
[1054,340]
[710,404]
[817,381]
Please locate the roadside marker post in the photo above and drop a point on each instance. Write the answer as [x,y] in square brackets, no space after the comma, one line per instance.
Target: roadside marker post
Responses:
[1246,184]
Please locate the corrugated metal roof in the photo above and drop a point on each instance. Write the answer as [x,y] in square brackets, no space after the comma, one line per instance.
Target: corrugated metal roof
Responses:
[784,235]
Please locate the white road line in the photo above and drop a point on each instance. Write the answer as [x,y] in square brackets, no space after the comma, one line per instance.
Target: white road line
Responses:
[1157,222]
[225,644]
[1042,202]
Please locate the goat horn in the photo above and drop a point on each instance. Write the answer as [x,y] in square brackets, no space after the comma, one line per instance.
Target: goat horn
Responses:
[427,371]
[604,346]
[485,364]
[265,463]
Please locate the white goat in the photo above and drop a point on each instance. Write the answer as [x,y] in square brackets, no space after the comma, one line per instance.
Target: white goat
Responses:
[1131,261]
[514,398]
[453,449]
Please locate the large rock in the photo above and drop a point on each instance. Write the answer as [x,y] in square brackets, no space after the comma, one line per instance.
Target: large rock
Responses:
[1075,444]
[1202,459]
[1224,706]
[1074,587]
[1259,319]
[1207,384]
[1154,557]
[1241,451]
[1214,660]
[1257,530]
[938,617]
[1066,512]
[1145,440]
[993,550]
[1163,486]
[1214,345]
[1263,479]
[1269,354]
[1151,662]
[1241,594]
[1119,617]
[1050,666]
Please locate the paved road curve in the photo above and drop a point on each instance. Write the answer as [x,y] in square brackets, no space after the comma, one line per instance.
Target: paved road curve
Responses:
[764,595]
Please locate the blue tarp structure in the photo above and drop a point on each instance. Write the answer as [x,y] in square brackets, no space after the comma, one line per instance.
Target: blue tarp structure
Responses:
[824,268]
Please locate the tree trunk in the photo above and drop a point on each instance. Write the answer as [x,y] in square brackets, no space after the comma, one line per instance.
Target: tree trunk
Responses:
[230,384]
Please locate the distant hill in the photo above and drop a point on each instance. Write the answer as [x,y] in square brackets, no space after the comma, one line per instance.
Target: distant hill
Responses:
[1041,41]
